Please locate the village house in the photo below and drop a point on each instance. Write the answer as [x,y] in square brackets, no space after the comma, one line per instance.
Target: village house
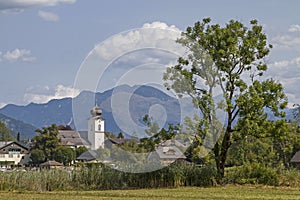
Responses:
[94,139]
[11,153]
[166,153]
[296,159]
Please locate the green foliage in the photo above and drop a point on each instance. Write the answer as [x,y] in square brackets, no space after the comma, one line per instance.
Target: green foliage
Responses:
[97,176]
[5,134]
[252,150]
[80,150]
[64,155]
[47,141]
[157,135]
[18,137]
[253,173]
[37,156]
[229,59]
[120,135]
[38,181]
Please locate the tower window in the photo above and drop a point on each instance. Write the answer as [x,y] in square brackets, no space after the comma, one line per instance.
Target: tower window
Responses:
[99,127]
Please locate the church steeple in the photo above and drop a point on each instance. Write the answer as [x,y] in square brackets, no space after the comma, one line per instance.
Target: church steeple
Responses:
[96,128]
[96,111]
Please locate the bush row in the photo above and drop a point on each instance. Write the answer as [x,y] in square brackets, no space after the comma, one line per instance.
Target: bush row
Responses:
[101,177]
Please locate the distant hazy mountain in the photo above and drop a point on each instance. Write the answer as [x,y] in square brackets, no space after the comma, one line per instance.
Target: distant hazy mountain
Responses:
[128,102]
[26,130]
[123,110]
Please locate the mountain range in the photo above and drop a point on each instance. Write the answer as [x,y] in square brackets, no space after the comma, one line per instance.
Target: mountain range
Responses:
[123,109]
[137,101]
[26,131]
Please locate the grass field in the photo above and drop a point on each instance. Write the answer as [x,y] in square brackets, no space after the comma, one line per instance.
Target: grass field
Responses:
[229,192]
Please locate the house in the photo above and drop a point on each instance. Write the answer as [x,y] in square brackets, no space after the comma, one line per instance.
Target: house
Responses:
[94,156]
[296,159]
[51,164]
[11,153]
[166,153]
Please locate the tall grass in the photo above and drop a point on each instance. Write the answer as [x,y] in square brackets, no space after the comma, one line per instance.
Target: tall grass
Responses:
[101,177]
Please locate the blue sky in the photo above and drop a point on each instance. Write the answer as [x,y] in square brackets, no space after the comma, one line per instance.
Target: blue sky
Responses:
[44,43]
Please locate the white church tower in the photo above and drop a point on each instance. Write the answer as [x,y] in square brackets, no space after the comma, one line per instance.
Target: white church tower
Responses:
[96,129]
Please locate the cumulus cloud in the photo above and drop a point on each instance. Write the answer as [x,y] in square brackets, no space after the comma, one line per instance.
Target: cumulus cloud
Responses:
[22,4]
[39,94]
[288,73]
[48,16]
[151,35]
[286,41]
[294,28]
[118,55]
[18,55]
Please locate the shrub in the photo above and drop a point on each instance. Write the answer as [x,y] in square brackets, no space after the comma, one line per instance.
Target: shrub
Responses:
[253,173]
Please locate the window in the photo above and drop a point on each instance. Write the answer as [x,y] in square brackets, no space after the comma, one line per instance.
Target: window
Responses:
[10,155]
[14,151]
[99,127]
[2,155]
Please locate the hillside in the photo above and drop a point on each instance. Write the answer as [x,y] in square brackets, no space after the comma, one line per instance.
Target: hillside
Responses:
[26,130]
[60,111]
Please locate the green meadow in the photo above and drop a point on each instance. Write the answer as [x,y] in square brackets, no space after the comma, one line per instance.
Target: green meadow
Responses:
[225,192]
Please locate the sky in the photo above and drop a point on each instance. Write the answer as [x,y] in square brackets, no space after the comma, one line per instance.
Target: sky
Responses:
[57,48]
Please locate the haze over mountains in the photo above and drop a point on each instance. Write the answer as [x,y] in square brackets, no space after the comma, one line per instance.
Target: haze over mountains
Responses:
[61,111]
[123,110]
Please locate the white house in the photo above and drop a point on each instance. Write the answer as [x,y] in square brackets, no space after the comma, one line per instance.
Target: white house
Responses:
[11,153]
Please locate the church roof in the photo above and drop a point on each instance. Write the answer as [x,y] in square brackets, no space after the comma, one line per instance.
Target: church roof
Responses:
[71,138]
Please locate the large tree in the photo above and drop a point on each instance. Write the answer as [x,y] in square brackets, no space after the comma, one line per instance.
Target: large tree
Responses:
[47,141]
[230,61]
[64,155]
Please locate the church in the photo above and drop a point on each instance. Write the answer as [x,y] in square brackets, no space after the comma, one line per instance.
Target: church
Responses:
[93,138]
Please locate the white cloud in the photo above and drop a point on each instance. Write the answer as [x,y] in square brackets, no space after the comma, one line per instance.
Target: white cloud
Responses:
[294,28]
[286,41]
[151,35]
[48,16]
[18,55]
[152,43]
[19,5]
[44,94]
[287,72]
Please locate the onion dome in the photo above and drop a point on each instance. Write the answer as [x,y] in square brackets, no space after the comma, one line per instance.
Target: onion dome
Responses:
[96,111]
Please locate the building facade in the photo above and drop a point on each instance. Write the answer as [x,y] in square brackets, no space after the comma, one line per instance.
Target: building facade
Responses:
[11,153]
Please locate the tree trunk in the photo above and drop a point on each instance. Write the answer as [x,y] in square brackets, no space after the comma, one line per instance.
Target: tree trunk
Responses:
[221,153]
